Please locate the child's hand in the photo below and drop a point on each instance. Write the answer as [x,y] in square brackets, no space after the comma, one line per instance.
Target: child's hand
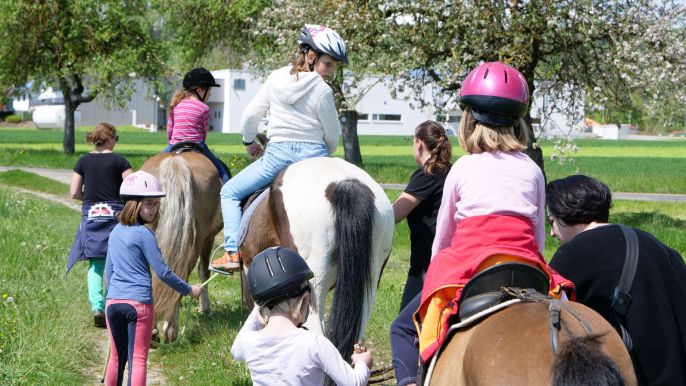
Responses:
[196,291]
[365,356]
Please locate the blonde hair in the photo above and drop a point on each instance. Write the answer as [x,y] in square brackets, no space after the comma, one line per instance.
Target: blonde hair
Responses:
[180,95]
[103,131]
[291,306]
[478,137]
[130,215]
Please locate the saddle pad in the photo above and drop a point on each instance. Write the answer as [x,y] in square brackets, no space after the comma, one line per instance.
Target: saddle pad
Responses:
[463,324]
[247,214]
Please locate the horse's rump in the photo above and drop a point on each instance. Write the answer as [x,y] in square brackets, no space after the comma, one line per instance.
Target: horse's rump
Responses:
[513,347]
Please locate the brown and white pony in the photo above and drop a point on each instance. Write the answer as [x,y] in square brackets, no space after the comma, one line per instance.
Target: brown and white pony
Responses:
[341,221]
[190,218]
[513,347]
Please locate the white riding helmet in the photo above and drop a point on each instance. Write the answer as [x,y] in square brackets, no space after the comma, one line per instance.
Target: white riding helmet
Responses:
[140,185]
[324,40]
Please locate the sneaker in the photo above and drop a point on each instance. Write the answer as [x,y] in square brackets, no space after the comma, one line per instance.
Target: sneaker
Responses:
[99,319]
[230,262]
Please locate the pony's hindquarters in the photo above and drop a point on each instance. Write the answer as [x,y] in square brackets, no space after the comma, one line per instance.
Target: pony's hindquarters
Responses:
[342,224]
[513,347]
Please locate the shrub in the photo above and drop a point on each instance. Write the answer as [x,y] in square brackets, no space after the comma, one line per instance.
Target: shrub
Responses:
[13,119]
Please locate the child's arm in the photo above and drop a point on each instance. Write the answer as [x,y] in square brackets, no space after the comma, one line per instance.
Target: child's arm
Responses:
[339,370]
[251,324]
[328,116]
[445,220]
[253,114]
[152,253]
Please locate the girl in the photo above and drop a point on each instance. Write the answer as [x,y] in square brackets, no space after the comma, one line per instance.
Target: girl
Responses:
[492,210]
[271,342]
[302,123]
[96,180]
[132,251]
[189,115]
[421,199]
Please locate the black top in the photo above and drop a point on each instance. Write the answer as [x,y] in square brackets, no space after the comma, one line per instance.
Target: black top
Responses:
[422,219]
[656,319]
[101,174]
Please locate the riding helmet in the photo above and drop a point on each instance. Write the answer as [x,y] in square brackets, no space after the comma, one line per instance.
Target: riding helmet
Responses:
[276,274]
[199,76]
[140,184]
[324,40]
[497,93]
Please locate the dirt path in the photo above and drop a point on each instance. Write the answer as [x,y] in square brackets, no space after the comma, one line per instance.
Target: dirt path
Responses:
[99,337]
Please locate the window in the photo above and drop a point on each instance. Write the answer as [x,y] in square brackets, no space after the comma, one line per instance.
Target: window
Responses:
[239,84]
[362,117]
[389,117]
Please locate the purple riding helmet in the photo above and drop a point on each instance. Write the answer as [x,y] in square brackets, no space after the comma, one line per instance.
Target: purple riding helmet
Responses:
[497,93]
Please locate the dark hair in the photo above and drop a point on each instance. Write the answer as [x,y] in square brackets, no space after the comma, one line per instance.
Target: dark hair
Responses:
[434,137]
[103,131]
[579,199]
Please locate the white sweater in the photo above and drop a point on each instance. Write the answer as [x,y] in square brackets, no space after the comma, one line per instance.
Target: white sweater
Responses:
[300,358]
[300,110]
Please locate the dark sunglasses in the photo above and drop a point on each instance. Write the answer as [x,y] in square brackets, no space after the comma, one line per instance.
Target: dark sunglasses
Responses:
[116,138]
[551,219]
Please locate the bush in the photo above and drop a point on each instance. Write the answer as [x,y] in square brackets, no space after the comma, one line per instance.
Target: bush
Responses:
[13,119]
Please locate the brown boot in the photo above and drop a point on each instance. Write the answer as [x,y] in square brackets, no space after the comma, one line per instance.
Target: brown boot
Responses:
[228,263]
[99,319]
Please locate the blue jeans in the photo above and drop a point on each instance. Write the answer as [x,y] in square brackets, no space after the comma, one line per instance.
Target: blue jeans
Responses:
[405,344]
[257,175]
[223,170]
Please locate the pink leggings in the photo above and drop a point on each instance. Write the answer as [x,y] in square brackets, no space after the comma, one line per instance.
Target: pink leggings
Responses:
[130,325]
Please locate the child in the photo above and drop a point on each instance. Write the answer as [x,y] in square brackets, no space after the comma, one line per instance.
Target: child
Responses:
[189,115]
[421,199]
[492,211]
[275,349]
[96,180]
[303,123]
[132,251]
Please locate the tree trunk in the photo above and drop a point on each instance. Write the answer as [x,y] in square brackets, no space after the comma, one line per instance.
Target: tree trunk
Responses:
[351,144]
[69,109]
[536,154]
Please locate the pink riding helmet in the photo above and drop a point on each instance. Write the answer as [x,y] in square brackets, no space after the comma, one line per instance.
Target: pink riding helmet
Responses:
[496,92]
[140,184]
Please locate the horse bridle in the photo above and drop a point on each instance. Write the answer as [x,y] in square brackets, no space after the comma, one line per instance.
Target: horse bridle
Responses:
[554,310]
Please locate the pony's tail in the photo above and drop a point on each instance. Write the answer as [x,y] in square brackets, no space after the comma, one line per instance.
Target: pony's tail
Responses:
[581,361]
[176,227]
[353,206]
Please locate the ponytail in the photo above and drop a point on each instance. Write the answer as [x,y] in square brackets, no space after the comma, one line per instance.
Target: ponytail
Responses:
[433,135]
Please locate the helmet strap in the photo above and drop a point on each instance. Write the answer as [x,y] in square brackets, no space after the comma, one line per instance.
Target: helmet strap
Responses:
[202,98]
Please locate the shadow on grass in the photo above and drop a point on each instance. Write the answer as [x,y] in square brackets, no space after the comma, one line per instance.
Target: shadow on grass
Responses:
[643,220]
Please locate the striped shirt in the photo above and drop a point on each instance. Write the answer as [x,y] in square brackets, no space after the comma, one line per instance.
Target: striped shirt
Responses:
[189,121]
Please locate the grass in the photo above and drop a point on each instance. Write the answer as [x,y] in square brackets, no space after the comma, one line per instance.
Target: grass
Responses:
[626,166]
[33,182]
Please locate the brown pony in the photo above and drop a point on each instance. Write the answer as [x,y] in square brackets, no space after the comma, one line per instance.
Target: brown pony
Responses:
[341,221]
[190,218]
[513,347]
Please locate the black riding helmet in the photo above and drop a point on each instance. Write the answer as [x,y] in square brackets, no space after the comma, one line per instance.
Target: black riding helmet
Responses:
[199,76]
[276,274]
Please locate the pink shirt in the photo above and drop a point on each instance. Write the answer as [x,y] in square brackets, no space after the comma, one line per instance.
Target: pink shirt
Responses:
[189,121]
[491,183]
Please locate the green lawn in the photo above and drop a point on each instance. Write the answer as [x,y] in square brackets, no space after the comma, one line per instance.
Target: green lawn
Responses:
[626,166]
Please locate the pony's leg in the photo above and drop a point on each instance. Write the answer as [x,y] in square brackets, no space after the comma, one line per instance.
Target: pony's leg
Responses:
[204,274]
[323,281]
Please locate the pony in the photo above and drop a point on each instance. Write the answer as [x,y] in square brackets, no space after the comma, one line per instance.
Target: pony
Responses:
[514,347]
[190,218]
[341,221]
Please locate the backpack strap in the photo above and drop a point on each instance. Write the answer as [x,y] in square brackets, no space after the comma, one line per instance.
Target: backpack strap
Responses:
[621,299]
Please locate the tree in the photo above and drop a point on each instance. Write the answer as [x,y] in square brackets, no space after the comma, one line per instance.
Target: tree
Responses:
[84,48]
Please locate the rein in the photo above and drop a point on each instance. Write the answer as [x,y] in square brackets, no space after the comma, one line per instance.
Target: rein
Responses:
[554,310]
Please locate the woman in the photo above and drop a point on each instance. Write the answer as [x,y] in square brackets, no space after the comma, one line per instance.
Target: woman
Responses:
[96,180]
[592,255]
[302,123]
[421,199]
